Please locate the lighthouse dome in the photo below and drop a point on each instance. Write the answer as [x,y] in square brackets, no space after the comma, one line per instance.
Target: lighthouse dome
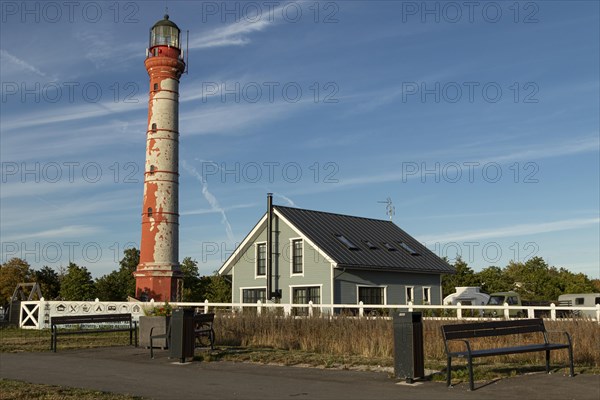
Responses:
[165,33]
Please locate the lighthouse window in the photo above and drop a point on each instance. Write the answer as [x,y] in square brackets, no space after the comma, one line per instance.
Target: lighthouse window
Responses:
[149,211]
[156,86]
[152,170]
[154,127]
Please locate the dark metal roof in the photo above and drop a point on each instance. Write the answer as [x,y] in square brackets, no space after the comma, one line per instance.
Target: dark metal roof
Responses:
[324,228]
[166,22]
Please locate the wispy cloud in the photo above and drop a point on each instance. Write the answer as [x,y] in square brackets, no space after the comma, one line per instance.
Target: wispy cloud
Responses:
[235,34]
[287,199]
[212,200]
[5,56]
[59,233]
[203,211]
[509,231]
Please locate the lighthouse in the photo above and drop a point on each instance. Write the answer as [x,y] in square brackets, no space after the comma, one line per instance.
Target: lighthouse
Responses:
[158,274]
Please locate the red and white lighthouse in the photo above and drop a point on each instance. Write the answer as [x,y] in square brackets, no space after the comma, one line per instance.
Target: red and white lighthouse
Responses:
[158,275]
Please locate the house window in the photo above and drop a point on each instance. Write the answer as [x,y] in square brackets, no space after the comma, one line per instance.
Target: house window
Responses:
[297,256]
[303,295]
[261,259]
[410,294]
[154,127]
[426,295]
[371,295]
[253,295]
[149,211]
[579,301]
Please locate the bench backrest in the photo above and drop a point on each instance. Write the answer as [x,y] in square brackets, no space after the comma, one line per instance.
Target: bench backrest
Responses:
[493,328]
[204,318]
[90,319]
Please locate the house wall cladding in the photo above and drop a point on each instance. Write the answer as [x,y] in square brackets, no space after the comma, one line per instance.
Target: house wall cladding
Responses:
[346,282]
[316,269]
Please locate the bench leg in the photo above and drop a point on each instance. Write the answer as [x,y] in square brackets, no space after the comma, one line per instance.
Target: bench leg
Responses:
[471,384]
[571,369]
[548,361]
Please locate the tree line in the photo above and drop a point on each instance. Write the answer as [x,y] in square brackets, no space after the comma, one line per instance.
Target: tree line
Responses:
[75,282]
[533,280]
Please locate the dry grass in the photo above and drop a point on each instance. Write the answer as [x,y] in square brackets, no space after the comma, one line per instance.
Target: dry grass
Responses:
[373,338]
[18,340]
[16,390]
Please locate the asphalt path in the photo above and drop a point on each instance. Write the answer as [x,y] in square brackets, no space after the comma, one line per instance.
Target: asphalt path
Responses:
[130,370]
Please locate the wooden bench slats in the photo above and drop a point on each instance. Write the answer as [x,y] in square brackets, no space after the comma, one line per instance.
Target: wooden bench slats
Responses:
[475,330]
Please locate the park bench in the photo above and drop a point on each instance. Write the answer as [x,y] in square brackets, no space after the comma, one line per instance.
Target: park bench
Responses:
[462,332]
[203,330]
[204,334]
[99,323]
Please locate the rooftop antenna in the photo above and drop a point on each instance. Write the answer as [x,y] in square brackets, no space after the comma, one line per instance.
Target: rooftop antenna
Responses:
[390,210]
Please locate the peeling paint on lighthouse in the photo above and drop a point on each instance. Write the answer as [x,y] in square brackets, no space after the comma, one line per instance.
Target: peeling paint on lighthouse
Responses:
[158,275]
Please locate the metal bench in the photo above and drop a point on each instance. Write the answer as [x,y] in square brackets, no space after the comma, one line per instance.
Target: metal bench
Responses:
[462,332]
[79,321]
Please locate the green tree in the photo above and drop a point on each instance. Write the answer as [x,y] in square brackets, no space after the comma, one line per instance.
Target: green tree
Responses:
[492,279]
[218,289]
[464,276]
[192,285]
[127,266]
[534,279]
[49,282]
[110,287]
[119,284]
[13,272]
[77,284]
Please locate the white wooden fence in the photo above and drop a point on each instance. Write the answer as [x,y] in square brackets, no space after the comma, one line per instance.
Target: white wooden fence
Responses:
[37,314]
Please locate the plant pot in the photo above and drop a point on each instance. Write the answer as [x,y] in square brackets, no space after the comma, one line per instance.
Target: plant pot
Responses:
[159,324]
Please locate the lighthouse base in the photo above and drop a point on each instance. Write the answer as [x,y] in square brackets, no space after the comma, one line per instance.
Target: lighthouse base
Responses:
[158,284]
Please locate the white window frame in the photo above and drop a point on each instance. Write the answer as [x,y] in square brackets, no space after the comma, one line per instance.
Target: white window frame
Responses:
[256,276]
[384,287]
[406,297]
[427,289]
[250,288]
[292,240]
[306,285]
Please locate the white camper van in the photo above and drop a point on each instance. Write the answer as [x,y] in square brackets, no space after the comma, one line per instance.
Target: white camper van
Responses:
[467,295]
[580,299]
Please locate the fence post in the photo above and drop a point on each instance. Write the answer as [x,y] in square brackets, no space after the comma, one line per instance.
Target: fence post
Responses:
[205,306]
[553,311]
[287,310]
[458,310]
[530,313]
[259,307]
[506,311]
[361,310]
[410,304]
[310,308]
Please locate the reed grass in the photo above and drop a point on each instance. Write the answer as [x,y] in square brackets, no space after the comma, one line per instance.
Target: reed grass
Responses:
[373,338]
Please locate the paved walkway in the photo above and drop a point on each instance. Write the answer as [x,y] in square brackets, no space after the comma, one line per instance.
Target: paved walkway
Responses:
[130,370]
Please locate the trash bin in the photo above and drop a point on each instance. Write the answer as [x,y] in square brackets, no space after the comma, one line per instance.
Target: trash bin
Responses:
[182,334]
[409,360]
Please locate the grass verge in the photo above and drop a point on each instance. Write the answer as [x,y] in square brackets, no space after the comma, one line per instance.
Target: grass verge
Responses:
[17,390]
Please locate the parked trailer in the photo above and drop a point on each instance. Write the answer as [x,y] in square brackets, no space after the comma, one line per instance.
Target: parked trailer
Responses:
[580,299]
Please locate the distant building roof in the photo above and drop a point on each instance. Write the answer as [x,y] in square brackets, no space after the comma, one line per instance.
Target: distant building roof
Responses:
[365,243]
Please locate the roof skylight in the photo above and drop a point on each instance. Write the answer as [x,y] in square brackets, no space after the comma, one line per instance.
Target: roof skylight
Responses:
[346,242]
[406,247]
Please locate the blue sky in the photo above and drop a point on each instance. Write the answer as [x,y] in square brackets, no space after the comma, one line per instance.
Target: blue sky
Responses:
[479,120]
